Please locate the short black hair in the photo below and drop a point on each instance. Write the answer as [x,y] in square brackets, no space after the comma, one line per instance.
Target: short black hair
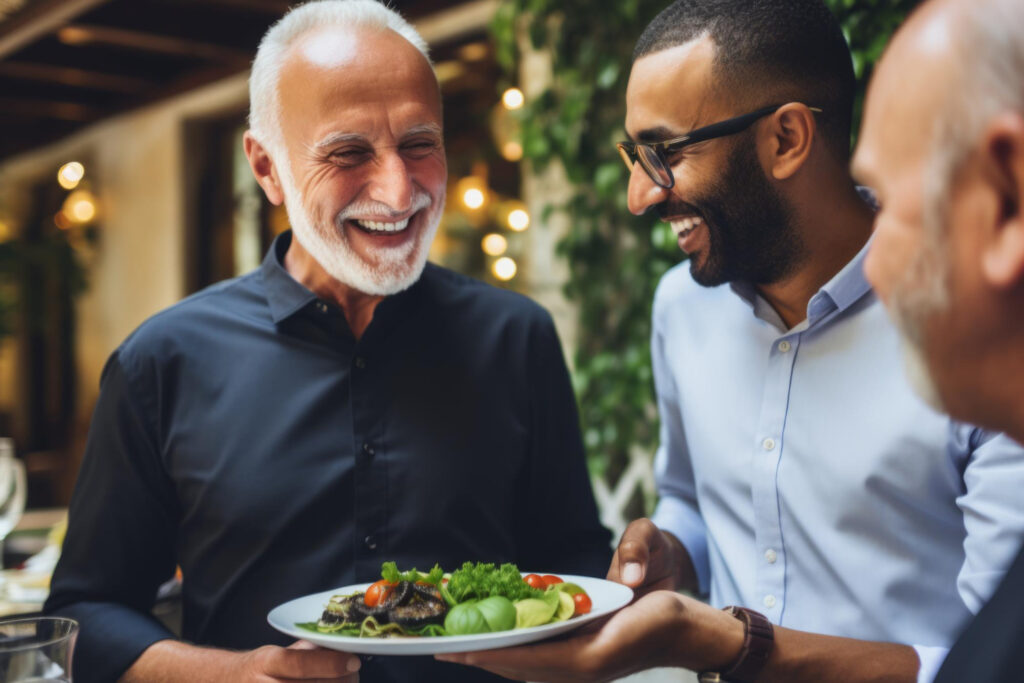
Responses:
[776,50]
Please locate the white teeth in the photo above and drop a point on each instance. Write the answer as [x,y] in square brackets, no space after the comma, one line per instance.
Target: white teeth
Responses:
[685,225]
[378,226]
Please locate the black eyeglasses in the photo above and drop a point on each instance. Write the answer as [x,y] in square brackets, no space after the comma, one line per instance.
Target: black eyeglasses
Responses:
[653,156]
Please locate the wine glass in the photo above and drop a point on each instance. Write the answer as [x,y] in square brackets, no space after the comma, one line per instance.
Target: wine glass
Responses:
[37,649]
[12,490]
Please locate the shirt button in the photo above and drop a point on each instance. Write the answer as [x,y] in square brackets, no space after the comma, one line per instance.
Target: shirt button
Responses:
[370,542]
[769,601]
[360,362]
[784,346]
[321,306]
[368,449]
[768,444]
[770,555]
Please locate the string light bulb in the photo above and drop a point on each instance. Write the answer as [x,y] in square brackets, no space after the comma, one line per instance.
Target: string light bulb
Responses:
[512,150]
[504,269]
[518,220]
[80,207]
[473,198]
[494,244]
[513,98]
[70,174]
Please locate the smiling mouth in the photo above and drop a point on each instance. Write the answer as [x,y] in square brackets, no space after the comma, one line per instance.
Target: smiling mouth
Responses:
[684,226]
[380,227]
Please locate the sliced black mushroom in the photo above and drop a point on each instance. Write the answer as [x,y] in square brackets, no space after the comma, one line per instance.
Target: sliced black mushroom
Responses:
[418,612]
[399,596]
[343,609]
[426,591]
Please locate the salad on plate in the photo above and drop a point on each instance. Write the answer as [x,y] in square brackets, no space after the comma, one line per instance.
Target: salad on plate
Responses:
[477,598]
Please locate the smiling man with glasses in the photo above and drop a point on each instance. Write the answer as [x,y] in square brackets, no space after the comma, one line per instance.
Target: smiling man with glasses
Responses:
[848,529]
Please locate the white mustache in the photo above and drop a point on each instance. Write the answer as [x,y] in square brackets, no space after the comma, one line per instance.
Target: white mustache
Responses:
[374,210]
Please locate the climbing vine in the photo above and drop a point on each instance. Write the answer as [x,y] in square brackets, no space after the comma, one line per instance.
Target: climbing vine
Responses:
[616,259]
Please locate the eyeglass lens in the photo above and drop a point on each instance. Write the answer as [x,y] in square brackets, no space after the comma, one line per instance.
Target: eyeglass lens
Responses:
[649,161]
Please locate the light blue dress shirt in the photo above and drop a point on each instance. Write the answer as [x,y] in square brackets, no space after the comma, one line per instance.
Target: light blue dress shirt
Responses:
[807,480]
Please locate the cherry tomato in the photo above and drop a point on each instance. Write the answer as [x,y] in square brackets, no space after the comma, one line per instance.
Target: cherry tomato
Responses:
[583,603]
[535,581]
[378,593]
[551,579]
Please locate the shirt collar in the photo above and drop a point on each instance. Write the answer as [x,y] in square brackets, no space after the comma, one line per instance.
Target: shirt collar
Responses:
[843,290]
[285,295]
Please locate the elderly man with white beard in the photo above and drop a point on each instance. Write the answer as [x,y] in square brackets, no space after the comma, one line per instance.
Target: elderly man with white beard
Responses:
[943,142]
[285,432]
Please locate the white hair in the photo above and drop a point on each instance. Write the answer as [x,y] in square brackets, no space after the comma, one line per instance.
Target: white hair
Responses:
[264,101]
[986,79]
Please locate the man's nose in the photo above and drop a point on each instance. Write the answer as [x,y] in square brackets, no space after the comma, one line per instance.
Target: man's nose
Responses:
[643,193]
[391,183]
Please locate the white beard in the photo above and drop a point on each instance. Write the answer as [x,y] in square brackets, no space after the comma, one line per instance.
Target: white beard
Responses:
[920,378]
[396,268]
[922,292]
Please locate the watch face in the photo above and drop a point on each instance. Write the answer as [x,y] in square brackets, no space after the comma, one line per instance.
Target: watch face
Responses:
[710,677]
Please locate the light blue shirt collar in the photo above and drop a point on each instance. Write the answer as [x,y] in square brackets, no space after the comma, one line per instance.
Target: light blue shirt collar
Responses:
[844,289]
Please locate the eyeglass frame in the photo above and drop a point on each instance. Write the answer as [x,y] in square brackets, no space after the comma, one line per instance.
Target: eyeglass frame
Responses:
[737,124]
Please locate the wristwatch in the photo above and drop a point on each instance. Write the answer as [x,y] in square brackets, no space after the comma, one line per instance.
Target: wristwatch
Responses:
[758,639]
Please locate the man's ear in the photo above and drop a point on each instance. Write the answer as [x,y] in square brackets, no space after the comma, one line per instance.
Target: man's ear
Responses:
[793,130]
[263,168]
[1003,161]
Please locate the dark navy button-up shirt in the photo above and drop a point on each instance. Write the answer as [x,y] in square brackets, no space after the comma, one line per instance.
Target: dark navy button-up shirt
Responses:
[246,435]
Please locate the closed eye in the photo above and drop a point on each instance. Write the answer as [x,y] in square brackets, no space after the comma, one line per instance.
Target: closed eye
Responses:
[419,149]
[350,156]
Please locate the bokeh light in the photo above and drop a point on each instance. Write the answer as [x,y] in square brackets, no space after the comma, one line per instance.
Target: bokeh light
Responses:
[494,244]
[80,207]
[513,98]
[70,174]
[518,220]
[473,198]
[512,150]
[504,269]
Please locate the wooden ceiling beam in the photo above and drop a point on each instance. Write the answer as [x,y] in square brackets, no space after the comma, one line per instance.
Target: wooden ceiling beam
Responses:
[39,19]
[82,34]
[64,111]
[272,7]
[79,78]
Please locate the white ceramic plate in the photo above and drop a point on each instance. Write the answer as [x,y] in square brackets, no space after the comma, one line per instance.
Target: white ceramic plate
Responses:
[606,596]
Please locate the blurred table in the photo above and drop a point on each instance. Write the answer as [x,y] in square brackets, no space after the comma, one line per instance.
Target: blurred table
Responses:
[23,590]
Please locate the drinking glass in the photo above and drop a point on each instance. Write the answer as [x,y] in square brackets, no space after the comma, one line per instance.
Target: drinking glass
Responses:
[12,490]
[37,649]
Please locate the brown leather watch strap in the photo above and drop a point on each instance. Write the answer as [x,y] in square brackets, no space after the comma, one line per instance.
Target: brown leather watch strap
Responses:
[758,639]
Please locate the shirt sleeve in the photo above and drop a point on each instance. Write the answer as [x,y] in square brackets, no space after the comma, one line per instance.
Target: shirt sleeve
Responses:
[677,511]
[559,527]
[931,659]
[993,515]
[120,539]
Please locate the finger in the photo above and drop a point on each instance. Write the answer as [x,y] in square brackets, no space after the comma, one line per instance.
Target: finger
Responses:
[302,645]
[632,558]
[309,664]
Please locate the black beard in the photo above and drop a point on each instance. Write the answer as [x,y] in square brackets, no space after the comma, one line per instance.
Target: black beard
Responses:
[751,235]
